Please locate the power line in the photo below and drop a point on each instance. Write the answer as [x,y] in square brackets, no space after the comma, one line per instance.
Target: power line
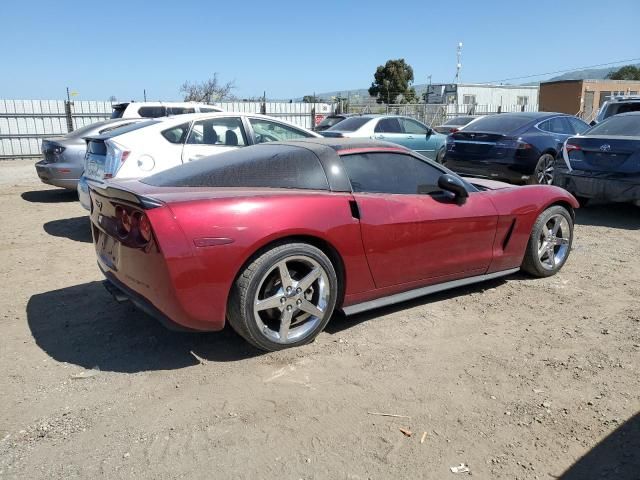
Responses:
[564,71]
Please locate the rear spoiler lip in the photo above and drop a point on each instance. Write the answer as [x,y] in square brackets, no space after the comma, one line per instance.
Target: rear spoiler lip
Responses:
[147,203]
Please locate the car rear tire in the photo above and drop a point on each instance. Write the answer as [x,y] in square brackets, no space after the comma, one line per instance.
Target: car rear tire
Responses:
[543,173]
[550,242]
[284,298]
[440,156]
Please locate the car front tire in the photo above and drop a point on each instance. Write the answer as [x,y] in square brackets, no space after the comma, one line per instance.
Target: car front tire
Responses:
[284,297]
[549,243]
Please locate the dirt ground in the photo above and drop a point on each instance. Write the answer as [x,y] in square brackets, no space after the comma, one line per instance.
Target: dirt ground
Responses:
[519,378]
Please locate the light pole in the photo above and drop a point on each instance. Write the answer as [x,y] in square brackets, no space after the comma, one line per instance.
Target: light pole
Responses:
[459,63]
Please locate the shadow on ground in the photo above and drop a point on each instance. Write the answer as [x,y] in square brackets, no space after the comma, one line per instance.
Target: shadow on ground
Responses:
[613,215]
[85,326]
[76,228]
[616,457]
[341,322]
[55,195]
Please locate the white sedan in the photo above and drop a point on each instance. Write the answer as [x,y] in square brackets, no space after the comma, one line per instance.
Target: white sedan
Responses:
[151,146]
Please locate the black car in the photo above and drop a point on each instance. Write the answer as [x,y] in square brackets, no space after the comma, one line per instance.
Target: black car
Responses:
[604,162]
[331,120]
[513,147]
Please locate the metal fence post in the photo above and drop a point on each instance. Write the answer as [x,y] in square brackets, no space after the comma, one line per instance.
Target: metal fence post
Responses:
[67,113]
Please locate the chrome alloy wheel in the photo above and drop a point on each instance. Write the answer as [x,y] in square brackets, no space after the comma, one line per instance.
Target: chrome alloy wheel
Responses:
[544,169]
[291,299]
[554,241]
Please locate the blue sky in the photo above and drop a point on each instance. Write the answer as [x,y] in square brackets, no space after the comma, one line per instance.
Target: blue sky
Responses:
[293,48]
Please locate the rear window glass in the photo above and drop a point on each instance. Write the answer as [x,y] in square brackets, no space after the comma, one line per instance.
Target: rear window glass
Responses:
[79,132]
[499,123]
[152,112]
[97,147]
[626,126]
[618,108]
[459,121]
[268,166]
[350,124]
[330,121]
[129,127]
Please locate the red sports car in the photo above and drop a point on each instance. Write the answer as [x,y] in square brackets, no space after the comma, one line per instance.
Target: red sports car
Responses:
[276,236]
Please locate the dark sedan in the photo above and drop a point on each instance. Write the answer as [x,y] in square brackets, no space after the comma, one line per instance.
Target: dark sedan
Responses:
[604,163]
[515,147]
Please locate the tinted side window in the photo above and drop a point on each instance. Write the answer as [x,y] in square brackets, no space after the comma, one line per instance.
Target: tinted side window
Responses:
[558,125]
[391,173]
[388,125]
[413,127]
[578,125]
[266,131]
[179,110]
[152,112]
[176,134]
[225,131]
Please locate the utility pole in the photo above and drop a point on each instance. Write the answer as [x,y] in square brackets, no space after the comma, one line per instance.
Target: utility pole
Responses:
[144,93]
[459,63]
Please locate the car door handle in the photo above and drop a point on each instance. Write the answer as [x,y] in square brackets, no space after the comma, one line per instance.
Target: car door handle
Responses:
[410,136]
[379,136]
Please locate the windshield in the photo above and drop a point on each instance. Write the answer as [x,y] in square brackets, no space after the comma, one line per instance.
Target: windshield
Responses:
[619,125]
[350,124]
[499,123]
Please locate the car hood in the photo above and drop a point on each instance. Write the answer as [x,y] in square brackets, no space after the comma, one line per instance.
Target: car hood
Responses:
[487,184]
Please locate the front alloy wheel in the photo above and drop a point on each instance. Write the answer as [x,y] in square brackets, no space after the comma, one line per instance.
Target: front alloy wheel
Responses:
[550,242]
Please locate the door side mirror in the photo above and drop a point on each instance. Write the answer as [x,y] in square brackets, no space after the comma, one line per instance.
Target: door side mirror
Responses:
[429,131]
[452,184]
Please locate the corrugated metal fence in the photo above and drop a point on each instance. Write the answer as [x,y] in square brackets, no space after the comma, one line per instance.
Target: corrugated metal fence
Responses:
[24,123]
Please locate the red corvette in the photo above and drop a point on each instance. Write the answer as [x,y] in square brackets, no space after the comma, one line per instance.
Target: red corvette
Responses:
[276,236]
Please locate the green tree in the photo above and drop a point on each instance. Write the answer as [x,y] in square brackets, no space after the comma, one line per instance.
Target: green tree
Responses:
[628,72]
[392,83]
[311,99]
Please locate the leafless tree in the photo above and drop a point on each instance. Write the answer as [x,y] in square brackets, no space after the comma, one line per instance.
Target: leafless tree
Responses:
[208,91]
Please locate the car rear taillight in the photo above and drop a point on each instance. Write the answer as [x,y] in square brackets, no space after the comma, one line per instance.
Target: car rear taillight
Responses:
[571,147]
[133,226]
[124,221]
[116,156]
[454,130]
[144,227]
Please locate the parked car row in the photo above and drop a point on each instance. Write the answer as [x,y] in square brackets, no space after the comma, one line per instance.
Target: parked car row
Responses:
[183,225]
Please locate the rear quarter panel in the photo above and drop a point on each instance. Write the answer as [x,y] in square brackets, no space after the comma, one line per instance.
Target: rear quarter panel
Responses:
[202,276]
[518,209]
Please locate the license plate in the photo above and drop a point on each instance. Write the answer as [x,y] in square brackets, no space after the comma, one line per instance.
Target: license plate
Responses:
[109,249]
[94,168]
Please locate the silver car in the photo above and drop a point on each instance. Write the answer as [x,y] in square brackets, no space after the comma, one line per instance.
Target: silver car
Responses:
[63,160]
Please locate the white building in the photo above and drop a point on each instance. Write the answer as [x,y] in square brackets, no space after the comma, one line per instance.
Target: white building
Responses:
[483,95]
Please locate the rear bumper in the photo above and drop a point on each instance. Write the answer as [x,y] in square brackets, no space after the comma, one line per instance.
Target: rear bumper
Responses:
[58,175]
[493,169]
[600,186]
[122,293]
[83,193]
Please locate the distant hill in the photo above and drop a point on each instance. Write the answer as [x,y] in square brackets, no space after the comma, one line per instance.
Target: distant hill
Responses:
[590,74]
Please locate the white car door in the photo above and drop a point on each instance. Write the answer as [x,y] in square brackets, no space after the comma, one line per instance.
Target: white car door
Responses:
[212,136]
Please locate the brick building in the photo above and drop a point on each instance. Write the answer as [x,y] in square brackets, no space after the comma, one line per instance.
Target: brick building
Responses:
[582,97]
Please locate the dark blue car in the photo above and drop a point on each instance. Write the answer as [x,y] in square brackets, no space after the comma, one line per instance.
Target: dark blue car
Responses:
[604,162]
[513,147]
